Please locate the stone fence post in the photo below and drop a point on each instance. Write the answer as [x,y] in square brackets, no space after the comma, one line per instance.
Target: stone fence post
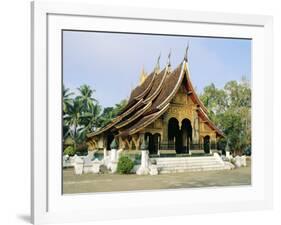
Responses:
[78,165]
[227,154]
[113,156]
[144,168]
[104,153]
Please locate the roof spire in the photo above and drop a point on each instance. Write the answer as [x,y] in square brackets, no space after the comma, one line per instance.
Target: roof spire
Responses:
[157,66]
[169,59]
[186,52]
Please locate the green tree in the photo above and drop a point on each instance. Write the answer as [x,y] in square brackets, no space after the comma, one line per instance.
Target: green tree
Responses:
[81,115]
[230,109]
[67,100]
[86,97]
[110,113]
[67,103]
[215,101]
[91,119]
[120,106]
[73,120]
[238,94]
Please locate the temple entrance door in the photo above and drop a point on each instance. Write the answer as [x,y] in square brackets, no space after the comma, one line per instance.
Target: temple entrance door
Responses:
[156,143]
[207,144]
[179,142]
[149,138]
[109,139]
[174,135]
[186,133]
[180,138]
[153,142]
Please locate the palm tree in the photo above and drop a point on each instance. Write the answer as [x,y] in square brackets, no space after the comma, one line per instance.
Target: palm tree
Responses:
[85,97]
[67,100]
[120,106]
[72,119]
[82,115]
[94,119]
[90,108]
[111,112]
[91,119]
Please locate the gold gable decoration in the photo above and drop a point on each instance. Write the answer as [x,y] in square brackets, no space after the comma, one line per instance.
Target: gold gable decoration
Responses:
[143,76]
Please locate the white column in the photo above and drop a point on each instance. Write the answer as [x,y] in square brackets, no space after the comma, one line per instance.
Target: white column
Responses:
[113,160]
[90,155]
[144,158]
[104,153]
[144,170]
[113,155]
[159,144]
[227,154]
[78,165]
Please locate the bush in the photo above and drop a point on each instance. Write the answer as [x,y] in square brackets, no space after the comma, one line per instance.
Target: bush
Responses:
[70,150]
[125,165]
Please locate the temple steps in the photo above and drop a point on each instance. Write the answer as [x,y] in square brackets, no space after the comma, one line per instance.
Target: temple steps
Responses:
[189,164]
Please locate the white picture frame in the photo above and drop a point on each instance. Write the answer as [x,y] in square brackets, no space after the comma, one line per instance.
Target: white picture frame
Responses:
[48,205]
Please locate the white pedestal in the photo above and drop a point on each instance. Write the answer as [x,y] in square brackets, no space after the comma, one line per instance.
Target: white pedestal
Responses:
[113,155]
[113,167]
[227,154]
[104,153]
[96,166]
[78,165]
[143,170]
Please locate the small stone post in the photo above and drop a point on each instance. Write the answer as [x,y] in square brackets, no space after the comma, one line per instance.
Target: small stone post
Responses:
[104,153]
[91,154]
[227,151]
[227,154]
[78,165]
[144,170]
[113,156]
[144,158]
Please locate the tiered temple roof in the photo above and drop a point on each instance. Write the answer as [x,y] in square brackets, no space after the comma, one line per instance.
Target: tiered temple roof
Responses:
[152,98]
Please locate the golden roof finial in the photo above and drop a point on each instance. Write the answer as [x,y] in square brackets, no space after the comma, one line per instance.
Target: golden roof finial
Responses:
[143,76]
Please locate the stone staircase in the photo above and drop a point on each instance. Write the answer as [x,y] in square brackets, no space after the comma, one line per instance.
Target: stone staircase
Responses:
[189,164]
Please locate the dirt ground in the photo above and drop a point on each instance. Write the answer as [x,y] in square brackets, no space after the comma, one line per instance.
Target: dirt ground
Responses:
[87,183]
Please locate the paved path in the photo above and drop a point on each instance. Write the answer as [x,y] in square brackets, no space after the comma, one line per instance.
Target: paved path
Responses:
[116,182]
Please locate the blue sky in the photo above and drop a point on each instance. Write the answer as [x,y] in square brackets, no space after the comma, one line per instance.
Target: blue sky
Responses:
[111,62]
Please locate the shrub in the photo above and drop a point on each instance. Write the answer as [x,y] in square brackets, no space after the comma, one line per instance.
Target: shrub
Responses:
[70,150]
[125,165]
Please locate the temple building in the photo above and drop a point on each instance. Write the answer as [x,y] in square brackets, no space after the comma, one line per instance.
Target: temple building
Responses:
[164,111]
